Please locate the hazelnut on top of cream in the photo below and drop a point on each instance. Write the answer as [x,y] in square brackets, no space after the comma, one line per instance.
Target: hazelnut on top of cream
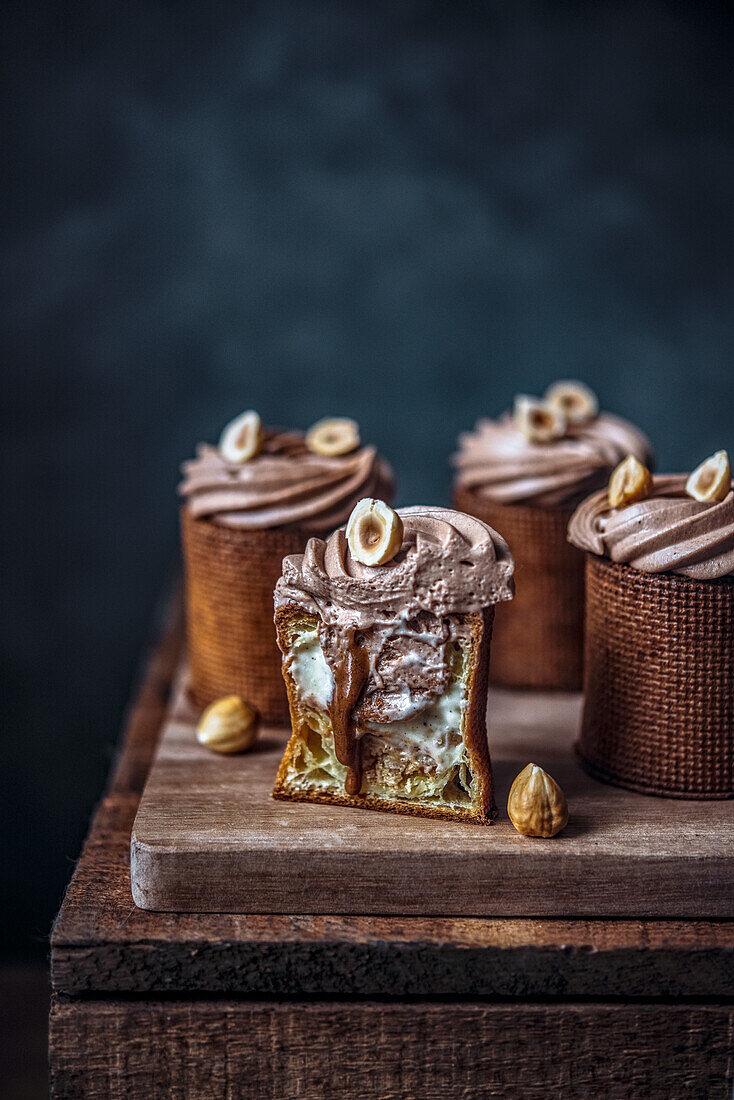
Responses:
[284,482]
[448,563]
[666,532]
[550,452]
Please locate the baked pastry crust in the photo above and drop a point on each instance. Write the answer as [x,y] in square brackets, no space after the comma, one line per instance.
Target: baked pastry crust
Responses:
[538,638]
[229,579]
[659,682]
[290,620]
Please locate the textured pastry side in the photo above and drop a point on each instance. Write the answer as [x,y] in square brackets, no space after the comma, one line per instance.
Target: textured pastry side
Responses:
[538,638]
[230,577]
[659,682]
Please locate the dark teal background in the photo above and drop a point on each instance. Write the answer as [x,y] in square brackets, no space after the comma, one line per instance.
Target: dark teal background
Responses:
[402,212]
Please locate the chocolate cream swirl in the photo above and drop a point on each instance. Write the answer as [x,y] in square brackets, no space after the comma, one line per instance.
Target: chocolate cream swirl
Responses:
[668,532]
[497,461]
[449,563]
[285,485]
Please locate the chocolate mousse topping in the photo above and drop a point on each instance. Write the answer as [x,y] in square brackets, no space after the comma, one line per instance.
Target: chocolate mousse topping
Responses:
[284,485]
[667,532]
[448,563]
[498,461]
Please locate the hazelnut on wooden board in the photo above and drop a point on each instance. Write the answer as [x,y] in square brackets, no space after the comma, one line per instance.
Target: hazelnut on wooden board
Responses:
[536,805]
[712,479]
[374,532]
[573,400]
[333,436]
[228,725]
[537,420]
[240,440]
[630,481]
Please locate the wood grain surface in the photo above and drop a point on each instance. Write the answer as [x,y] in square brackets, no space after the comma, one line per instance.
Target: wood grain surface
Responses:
[391,1052]
[103,943]
[135,1013]
[209,837]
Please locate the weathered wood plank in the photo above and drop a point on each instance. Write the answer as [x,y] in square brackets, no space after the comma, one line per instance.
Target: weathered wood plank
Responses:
[151,698]
[208,837]
[102,944]
[388,1051]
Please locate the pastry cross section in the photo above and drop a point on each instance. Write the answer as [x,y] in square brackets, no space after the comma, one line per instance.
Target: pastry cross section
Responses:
[388,719]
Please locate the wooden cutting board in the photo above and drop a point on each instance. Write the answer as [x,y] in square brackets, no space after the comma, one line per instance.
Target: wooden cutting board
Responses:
[208,837]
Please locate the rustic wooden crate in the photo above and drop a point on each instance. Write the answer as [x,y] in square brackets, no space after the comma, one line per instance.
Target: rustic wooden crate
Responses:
[212,1005]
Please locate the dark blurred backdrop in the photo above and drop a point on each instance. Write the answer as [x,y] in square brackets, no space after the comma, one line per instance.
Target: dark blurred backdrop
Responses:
[403,212]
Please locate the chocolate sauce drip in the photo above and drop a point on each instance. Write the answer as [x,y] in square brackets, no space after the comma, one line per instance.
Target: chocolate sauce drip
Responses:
[350,665]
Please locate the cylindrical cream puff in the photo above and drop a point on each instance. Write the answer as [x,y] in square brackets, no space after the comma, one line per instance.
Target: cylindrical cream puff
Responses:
[659,656]
[385,630]
[526,484]
[241,517]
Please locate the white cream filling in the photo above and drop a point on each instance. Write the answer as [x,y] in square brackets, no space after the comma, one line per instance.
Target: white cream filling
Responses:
[434,732]
[307,664]
[421,757]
